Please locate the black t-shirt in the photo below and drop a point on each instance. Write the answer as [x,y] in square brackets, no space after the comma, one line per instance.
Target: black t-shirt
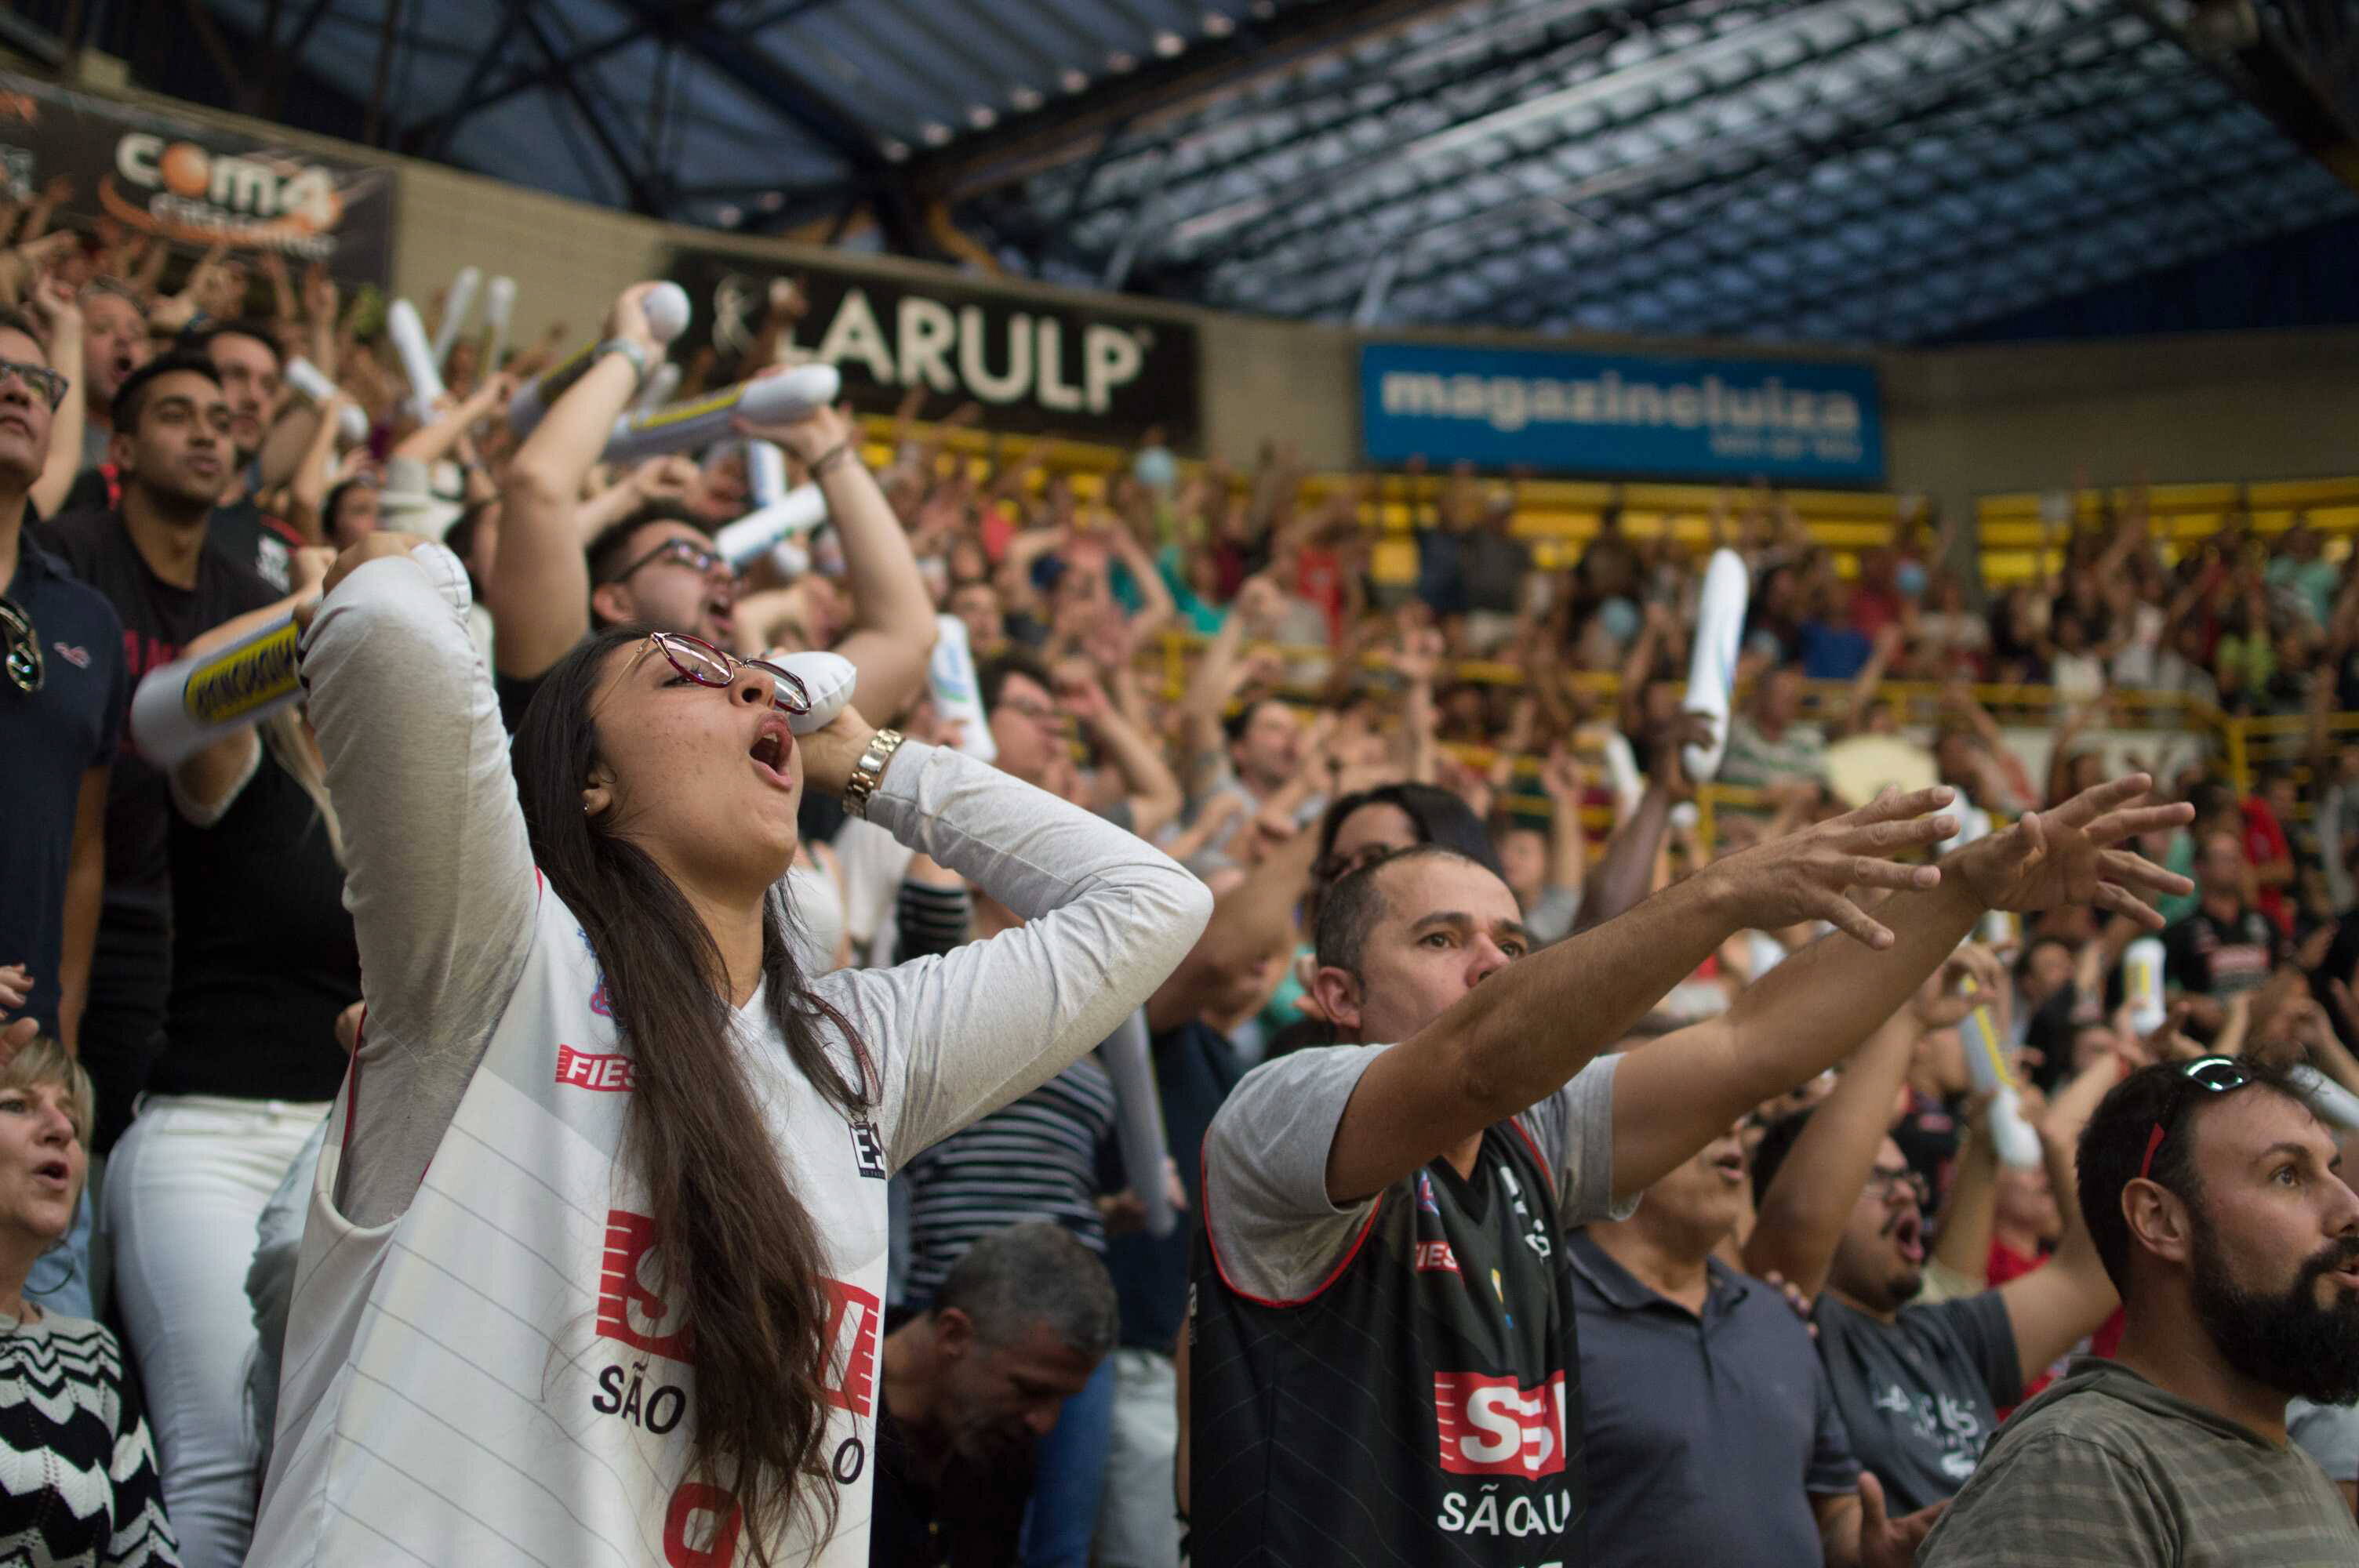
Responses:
[130,975]
[264,957]
[970,1516]
[1422,1407]
[261,544]
[51,738]
[2220,957]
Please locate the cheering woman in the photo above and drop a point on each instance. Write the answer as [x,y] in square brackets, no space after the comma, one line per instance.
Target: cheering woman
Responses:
[594,1259]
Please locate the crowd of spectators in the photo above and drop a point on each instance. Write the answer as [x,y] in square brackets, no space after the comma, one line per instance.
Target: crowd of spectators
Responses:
[1873,1289]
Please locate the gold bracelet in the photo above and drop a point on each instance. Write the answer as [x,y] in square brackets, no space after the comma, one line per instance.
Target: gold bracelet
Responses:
[869,772]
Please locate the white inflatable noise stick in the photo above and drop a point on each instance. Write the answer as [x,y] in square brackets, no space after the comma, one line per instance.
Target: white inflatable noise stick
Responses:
[499,309]
[958,694]
[1138,1127]
[313,384]
[1711,663]
[766,472]
[1987,1065]
[190,703]
[752,537]
[700,421]
[456,307]
[2335,1105]
[666,308]
[417,361]
[662,382]
[2142,984]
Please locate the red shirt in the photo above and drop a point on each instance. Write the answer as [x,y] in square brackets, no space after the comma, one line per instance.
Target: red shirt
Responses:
[2265,840]
[2007,1263]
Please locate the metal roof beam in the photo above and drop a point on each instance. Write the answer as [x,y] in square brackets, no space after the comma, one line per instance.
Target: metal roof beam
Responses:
[1078,125]
[2311,96]
[1723,246]
[1864,112]
[437,132]
[765,78]
[1323,220]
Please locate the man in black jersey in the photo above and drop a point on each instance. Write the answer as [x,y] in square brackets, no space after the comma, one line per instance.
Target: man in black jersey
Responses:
[1383,1367]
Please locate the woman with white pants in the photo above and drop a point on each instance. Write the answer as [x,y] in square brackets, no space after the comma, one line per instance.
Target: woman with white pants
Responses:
[264,962]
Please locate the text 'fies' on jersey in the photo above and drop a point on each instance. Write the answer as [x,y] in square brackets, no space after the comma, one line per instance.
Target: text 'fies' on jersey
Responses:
[1421,1407]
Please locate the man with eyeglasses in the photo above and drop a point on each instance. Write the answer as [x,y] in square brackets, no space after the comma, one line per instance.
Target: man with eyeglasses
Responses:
[2221,1208]
[63,688]
[63,693]
[168,581]
[656,567]
[1842,1218]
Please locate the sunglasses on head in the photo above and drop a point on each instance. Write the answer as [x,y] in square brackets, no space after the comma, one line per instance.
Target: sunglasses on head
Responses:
[23,644]
[2215,1075]
[700,662]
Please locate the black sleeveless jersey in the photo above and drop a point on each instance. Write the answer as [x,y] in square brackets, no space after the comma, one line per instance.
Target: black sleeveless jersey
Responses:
[1421,1408]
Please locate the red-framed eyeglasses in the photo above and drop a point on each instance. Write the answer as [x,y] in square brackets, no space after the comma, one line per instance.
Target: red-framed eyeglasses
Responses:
[700,662]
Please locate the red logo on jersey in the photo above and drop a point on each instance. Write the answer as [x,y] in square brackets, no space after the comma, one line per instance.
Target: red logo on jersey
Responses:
[1435,1258]
[701,1527]
[609,1074]
[1492,1427]
[632,1304]
[852,1318]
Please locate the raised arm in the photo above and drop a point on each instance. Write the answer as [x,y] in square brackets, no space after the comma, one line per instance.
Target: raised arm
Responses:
[1523,1033]
[2052,1307]
[539,588]
[893,631]
[438,877]
[61,320]
[1675,1096]
[1148,788]
[1105,920]
[1625,872]
[1251,924]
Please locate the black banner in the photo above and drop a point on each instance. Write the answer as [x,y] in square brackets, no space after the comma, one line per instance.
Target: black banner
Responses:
[1035,365]
[193,184]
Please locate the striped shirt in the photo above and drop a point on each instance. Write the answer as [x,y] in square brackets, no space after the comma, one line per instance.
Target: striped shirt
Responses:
[78,1483]
[1035,1159]
[2105,1470]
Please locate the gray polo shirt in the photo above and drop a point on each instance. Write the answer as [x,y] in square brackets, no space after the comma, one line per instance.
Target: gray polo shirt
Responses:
[1707,1435]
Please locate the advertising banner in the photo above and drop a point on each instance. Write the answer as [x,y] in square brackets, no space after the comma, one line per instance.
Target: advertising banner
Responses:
[1621,414]
[192,184]
[1035,365]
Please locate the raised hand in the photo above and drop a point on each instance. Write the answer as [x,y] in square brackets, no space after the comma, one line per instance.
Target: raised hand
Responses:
[2066,855]
[1885,1541]
[1663,751]
[1807,875]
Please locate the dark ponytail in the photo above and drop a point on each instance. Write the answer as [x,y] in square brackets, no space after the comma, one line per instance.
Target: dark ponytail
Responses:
[732,1236]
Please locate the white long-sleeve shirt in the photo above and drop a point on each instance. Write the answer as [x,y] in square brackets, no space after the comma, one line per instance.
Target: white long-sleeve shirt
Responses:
[482,1363]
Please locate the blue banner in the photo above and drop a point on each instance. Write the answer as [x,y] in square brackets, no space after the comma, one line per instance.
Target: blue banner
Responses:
[1621,413]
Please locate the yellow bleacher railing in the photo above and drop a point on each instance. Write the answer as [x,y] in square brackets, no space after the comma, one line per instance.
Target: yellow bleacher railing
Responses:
[2019,545]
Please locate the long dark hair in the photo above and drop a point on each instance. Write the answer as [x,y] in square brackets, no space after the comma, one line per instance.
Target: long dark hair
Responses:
[732,1238]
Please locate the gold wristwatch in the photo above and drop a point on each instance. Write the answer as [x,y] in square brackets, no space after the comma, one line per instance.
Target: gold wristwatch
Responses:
[869,772]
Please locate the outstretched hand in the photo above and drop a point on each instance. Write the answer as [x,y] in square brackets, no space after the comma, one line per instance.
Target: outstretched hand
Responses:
[1808,874]
[2066,855]
[1885,1541]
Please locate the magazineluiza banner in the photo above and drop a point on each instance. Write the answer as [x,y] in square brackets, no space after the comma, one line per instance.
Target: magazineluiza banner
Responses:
[193,184]
[1035,365]
[1621,414]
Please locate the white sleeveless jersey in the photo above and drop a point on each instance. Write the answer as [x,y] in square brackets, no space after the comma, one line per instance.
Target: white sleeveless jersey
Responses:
[497,1376]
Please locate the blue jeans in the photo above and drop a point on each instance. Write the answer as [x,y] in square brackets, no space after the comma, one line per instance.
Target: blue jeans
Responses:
[60,1282]
[1068,1475]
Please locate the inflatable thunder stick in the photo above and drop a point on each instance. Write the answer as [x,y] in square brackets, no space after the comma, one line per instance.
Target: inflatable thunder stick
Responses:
[1711,664]
[1138,1126]
[752,537]
[700,421]
[957,694]
[1986,1064]
[313,384]
[190,703]
[766,472]
[665,305]
[417,361]
[2142,984]
[662,382]
[456,306]
[499,309]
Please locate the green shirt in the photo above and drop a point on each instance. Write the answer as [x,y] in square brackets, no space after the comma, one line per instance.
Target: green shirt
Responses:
[2104,1470]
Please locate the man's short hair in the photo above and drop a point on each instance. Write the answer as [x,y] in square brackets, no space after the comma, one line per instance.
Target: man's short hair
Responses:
[2114,1145]
[1776,1141]
[130,398]
[2046,939]
[201,341]
[1353,906]
[992,674]
[15,320]
[1234,725]
[1035,1272]
[610,548]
